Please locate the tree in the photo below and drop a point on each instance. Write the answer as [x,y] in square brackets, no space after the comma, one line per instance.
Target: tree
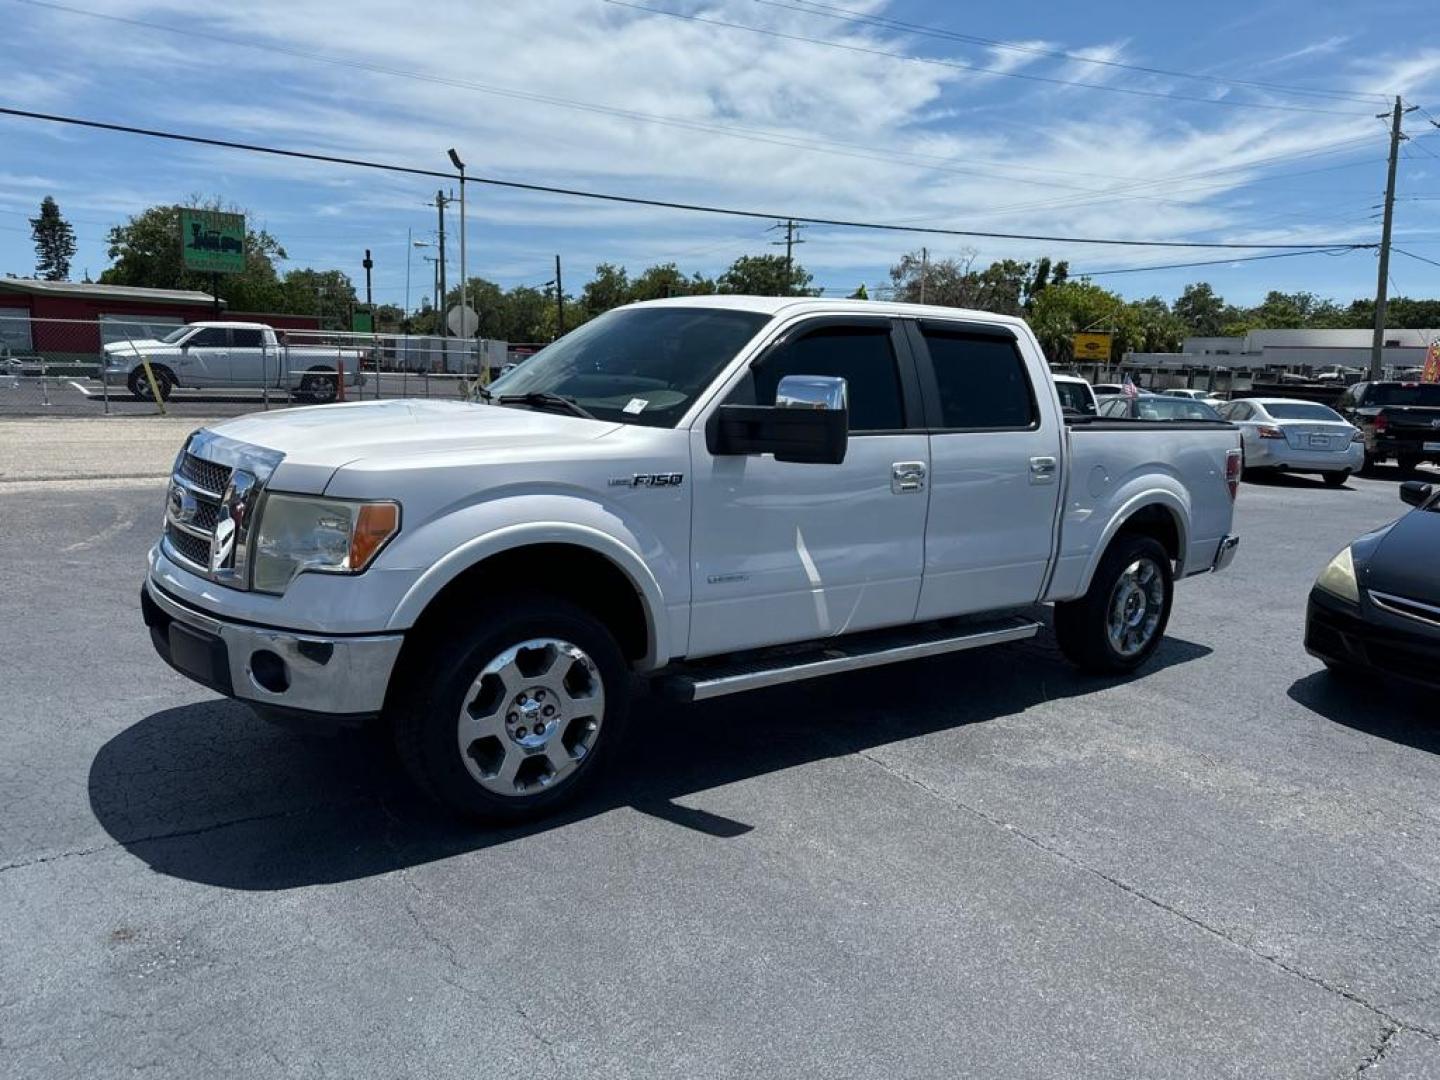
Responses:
[1203,313]
[145,251]
[946,281]
[1066,309]
[765,275]
[328,294]
[1006,286]
[54,242]
[609,288]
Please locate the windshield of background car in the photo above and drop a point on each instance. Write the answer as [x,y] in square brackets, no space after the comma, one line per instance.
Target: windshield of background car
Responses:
[1168,408]
[1302,410]
[1075,398]
[637,365]
[1407,394]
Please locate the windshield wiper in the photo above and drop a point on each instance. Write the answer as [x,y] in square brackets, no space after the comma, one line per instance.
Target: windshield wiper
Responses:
[539,399]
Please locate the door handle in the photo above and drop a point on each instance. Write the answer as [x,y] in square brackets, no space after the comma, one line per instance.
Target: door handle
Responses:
[907,477]
[1042,470]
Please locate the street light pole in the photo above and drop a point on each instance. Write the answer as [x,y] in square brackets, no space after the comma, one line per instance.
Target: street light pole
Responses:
[464,285]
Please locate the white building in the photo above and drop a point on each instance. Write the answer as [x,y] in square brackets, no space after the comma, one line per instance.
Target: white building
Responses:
[1316,350]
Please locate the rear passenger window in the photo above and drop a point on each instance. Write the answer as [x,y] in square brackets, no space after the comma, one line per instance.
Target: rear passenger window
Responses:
[982,380]
[861,355]
[247,339]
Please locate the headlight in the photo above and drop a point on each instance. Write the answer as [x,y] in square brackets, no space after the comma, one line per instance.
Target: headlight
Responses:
[298,533]
[1339,577]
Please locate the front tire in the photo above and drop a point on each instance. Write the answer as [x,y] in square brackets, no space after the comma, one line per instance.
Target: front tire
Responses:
[1118,623]
[516,715]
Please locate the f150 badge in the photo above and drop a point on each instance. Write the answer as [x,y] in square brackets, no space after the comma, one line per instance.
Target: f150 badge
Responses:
[649,480]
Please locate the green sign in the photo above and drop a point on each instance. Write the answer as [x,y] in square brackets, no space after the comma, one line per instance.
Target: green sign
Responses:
[212,241]
[362,321]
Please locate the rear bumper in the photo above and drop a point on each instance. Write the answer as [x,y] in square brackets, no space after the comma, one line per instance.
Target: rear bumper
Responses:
[1407,446]
[335,680]
[1275,454]
[1225,553]
[1338,632]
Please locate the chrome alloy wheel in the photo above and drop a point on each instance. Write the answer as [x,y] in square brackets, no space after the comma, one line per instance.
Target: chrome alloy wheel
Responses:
[531,716]
[1136,603]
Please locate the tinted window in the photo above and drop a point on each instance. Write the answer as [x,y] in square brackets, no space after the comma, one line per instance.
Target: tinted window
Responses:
[1075,398]
[211,337]
[1403,394]
[1300,410]
[982,381]
[861,355]
[247,339]
[640,365]
[1114,407]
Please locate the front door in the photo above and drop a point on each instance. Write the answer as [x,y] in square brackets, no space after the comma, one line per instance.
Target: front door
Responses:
[791,552]
[995,468]
[206,359]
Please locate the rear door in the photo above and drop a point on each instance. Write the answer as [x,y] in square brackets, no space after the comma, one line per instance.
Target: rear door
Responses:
[783,551]
[994,468]
[206,358]
[249,362]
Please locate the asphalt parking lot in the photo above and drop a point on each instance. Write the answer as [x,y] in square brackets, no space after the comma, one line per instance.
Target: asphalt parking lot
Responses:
[982,865]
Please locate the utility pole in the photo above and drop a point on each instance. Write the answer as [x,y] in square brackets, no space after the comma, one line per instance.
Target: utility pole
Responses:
[792,238]
[924,271]
[369,264]
[440,202]
[1382,287]
[559,301]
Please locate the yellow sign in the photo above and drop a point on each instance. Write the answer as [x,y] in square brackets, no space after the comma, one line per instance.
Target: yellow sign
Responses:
[1091,346]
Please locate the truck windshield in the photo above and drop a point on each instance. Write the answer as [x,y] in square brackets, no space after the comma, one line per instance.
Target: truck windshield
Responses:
[636,365]
[1403,394]
[175,335]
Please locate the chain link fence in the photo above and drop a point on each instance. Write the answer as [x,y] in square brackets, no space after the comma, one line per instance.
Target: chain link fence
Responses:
[113,366]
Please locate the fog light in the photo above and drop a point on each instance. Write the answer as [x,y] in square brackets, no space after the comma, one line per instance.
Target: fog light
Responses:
[269,671]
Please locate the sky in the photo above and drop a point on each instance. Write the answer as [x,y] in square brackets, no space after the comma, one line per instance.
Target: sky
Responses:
[1255,122]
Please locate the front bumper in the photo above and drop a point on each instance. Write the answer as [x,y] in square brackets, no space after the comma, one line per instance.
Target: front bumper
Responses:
[339,679]
[1343,633]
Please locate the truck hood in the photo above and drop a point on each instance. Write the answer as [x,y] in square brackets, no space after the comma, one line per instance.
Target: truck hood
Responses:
[318,441]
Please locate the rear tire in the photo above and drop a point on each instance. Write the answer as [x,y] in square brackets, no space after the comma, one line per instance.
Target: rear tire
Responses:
[1367,467]
[465,727]
[1336,479]
[317,387]
[1118,623]
[140,386]
[1408,464]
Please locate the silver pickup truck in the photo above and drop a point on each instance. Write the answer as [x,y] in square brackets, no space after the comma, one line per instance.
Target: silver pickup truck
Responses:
[231,355]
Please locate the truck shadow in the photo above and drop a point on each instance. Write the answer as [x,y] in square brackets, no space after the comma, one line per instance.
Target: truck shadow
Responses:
[1393,712]
[209,793]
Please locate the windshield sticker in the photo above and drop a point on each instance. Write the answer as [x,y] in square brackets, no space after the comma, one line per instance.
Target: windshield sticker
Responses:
[636,406]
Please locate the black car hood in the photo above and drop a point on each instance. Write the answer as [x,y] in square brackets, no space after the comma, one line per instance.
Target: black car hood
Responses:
[1406,559]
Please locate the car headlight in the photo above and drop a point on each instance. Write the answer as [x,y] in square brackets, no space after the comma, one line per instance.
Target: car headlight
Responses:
[297,533]
[1339,577]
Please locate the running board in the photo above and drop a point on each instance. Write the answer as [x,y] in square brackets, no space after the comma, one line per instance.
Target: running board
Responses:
[715,678]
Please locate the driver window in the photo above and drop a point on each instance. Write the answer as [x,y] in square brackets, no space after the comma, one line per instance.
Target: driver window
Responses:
[211,337]
[861,355]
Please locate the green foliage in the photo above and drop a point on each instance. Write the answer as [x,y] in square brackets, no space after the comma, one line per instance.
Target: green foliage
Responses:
[1203,313]
[146,252]
[54,242]
[860,293]
[1007,287]
[765,275]
[330,294]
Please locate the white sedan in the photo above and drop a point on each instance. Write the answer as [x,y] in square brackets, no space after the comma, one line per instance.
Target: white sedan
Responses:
[1290,435]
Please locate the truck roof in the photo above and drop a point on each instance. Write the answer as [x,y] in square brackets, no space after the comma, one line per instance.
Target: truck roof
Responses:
[231,324]
[788,305]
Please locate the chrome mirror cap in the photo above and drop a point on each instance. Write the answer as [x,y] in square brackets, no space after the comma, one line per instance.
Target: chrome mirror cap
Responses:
[827,392]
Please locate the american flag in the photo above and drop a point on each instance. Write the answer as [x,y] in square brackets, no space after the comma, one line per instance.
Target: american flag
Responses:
[1129,389]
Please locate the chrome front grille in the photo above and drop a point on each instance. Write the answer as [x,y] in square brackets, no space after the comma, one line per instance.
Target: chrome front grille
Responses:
[209,510]
[1410,609]
[209,476]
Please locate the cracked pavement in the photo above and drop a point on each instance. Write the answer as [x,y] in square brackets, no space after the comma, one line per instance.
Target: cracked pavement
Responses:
[976,865]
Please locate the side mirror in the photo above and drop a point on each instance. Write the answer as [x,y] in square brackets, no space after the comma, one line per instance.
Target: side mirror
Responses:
[1415,492]
[808,424]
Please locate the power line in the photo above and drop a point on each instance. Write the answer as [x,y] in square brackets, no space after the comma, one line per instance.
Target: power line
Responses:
[1412,255]
[1215,262]
[634,200]
[830,11]
[975,68]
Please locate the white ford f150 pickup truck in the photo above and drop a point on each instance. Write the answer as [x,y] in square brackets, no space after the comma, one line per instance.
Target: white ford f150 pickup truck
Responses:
[237,355]
[708,494]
